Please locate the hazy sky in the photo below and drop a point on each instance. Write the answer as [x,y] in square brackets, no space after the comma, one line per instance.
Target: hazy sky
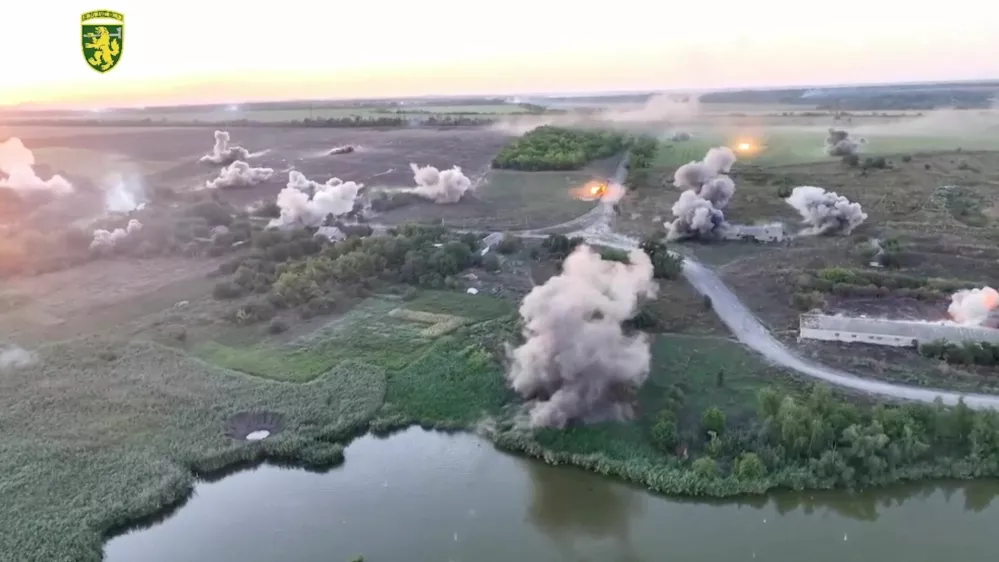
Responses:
[227,51]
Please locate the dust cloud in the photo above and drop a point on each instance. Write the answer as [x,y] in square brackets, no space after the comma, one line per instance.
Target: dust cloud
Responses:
[577,364]
[825,212]
[240,174]
[308,203]
[223,153]
[17,164]
[107,239]
[974,306]
[698,211]
[447,186]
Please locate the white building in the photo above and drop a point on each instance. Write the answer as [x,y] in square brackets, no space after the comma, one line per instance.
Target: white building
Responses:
[881,331]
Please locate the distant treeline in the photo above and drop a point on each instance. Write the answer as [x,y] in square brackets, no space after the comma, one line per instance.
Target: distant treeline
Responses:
[551,148]
[963,96]
[434,120]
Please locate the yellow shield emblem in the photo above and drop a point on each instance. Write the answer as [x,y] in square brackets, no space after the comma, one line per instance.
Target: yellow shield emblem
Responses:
[103,33]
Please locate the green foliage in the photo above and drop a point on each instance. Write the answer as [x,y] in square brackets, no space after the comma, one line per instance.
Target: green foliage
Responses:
[664,264]
[559,246]
[868,283]
[491,262]
[705,468]
[556,148]
[748,466]
[713,419]
[970,353]
[642,156]
[509,244]
[664,436]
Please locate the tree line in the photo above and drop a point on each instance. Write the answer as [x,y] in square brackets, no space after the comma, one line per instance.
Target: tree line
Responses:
[551,148]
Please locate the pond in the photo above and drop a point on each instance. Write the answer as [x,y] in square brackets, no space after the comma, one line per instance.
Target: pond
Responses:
[427,496]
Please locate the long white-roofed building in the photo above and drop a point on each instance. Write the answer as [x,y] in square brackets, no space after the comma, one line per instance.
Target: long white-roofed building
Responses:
[883,331]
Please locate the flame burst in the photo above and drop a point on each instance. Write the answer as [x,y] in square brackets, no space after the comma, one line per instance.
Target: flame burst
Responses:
[973,306]
[744,146]
[592,190]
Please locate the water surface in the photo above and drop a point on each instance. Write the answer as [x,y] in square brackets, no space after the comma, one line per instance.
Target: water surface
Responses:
[423,496]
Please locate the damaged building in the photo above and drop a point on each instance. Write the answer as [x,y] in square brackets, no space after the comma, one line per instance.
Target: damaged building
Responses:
[896,333]
[766,233]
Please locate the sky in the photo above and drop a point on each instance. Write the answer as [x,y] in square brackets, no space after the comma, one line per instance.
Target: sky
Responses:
[235,51]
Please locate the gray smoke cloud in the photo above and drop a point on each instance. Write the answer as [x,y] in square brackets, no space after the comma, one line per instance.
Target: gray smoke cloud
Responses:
[222,153]
[447,186]
[307,203]
[577,364]
[12,357]
[239,174]
[17,166]
[698,211]
[107,239]
[840,143]
[825,212]
[124,193]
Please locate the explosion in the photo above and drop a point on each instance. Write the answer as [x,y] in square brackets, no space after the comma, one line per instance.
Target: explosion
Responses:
[107,239]
[577,364]
[973,306]
[240,174]
[307,203]
[222,153]
[840,143]
[446,186]
[698,211]
[825,212]
[17,164]
[598,190]
[122,195]
[744,147]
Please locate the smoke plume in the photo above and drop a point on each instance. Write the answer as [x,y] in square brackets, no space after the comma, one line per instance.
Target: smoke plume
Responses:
[222,153]
[973,306]
[698,211]
[577,363]
[12,356]
[825,212]
[840,143]
[122,194]
[240,174]
[307,203]
[17,164]
[446,186]
[107,239]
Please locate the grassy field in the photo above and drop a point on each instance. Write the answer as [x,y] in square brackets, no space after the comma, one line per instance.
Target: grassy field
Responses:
[297,114]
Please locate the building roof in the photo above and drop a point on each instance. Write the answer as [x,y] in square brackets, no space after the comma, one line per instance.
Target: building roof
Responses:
[920,331]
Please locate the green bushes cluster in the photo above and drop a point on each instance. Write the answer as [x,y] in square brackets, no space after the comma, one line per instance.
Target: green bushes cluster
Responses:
[858,283]
[665,265]
[969,353]
[643,153]
[556,148]
[295,270]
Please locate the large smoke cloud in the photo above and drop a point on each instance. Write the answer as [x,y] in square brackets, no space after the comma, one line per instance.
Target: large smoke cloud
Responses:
[974,306]
[17,164]
[240,174]
[307,203]
[698,211]
[107,239]
[123,193]
[577,363]
[840,143]
[825,212]
[222,153]
[447,186]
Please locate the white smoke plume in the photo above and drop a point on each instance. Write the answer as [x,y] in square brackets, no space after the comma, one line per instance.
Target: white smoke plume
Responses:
[240,174]
[447,186]
[825,212]
[307,203]
[222,153]
[12,357]
[17,164]
[577,363]
[840,143]
[973,306]
[122,194]
[698,211]
[695,217]
[106,239]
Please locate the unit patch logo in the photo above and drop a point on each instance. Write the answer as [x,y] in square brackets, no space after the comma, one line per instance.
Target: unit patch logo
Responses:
[103,33]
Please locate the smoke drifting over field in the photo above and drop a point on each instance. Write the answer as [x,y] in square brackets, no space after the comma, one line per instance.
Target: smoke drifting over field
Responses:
[840,143]
[660,108]
[107,239]
[240,174]
[698,211]
[222,153]
[307,203]
[12,357]
[123,194]
[17,164]
[825,212]
[973,306]
[577,363]
[447,186]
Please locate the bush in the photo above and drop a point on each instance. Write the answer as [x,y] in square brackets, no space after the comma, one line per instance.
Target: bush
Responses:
[490,262]
[556,148]
[664,435]
[713,419]
[784,191]
[851,160]
[748,466]
[226,290]
[705,467]
[277,326]
[907,158]
[509,244]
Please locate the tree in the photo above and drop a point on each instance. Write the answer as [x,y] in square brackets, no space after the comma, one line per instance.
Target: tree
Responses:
[748,466]
[705,467]
[713,419]
[490,262]
[664,433]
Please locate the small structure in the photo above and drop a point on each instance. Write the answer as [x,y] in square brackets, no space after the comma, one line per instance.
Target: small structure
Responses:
[489,241]
[884,331]
[766,233]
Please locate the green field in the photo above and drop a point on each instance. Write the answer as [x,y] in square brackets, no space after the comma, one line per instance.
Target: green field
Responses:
[296,114]
[777,146]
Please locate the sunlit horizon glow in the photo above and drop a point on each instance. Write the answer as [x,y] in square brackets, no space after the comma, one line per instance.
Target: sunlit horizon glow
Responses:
[230,53]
